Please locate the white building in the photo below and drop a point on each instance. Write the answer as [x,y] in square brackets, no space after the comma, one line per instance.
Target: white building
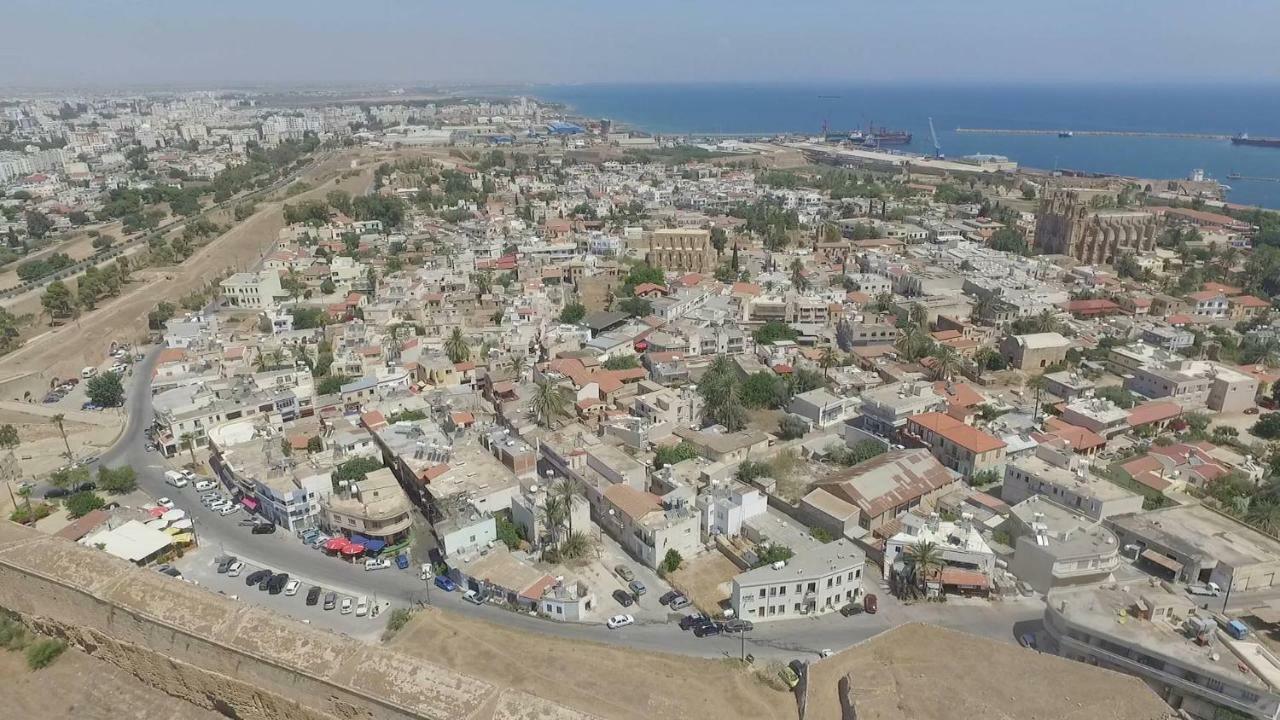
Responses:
[960,544]
[813,582]
[727,506]
[254,290]
[1064,477]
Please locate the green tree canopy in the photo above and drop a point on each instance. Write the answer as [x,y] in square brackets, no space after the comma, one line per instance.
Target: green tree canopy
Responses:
[105,390]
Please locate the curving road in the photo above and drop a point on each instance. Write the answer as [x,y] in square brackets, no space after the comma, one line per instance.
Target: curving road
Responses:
[282,552]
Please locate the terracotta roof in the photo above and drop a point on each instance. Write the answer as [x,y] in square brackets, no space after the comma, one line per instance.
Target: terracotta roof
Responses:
[1249,301]
[373,419]
[1153,411]
[84,525]
[1081,439]
[961,394]
[1215,286]
[966,436]
[169,355]
[1204,295]
[962,576]
[744,288]
[462,418]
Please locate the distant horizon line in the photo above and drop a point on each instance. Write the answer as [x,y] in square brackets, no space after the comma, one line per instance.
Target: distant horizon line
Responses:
[459,86]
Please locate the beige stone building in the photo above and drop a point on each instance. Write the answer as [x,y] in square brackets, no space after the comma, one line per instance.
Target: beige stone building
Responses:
[1067,225]
[375,507]
[682,250]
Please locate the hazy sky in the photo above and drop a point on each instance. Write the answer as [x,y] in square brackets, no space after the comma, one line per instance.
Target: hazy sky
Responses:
[217,42]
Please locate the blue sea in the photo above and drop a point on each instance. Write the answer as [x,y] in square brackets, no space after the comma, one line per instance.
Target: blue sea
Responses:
[1218,109]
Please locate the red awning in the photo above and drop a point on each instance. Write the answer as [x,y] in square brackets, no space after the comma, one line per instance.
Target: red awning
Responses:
[961,577]
[353,549]
[249,503]
[156,512]
[336,544]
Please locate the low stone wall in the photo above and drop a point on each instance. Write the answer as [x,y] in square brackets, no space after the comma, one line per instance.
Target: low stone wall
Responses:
[223,655]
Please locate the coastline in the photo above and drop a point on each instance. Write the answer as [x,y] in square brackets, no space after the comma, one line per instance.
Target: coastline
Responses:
[1158,139]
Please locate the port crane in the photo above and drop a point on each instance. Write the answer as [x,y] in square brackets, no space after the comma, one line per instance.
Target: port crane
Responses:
[937,146]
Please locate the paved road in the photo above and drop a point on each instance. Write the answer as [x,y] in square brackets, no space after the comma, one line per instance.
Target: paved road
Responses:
[282,552]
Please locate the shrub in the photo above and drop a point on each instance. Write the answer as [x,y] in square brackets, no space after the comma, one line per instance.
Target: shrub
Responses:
[13,634]
[42,653]
[671,561]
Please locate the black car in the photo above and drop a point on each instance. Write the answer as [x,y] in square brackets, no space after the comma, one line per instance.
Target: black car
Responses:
[706,630]
[313,595]
[690,621]
[85,487]
[256,576]
[277,583]
[263,528]
[55,493]
[851,609]
[623,598]
[264,582]
[737,625]
[667,597]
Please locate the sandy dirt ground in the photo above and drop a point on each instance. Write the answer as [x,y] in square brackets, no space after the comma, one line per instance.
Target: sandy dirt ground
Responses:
[77,686]
[707,581]
[918,672]
[42,449]
[610,682]
[61,351]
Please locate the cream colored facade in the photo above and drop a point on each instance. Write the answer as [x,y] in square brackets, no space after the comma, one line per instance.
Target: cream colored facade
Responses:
[682,250]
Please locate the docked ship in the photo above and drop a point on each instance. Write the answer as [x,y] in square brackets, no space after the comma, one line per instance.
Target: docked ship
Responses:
[1244,139]
[1066,134]
[885,136]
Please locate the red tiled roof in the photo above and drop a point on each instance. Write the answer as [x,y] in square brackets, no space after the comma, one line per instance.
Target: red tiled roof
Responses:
[373,419]
[1249,301]
[966,436]
[1153,411]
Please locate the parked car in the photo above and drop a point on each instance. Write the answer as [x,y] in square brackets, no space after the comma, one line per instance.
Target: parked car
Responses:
[232,508]
[206,485]
[736,625]
[402,561]
[706,630]
[362,606]
[637,588]
[174,478]
[224,562]
[473,597]
[170,570]
[52,493]
[330,600]
[278,583]
[346,606]
[86,487]
[689,621]
[680,602]
[256,576]
[625,573]
[263,528]
[376,564]
[445,583]
[1027,640]
[291,588]
[165,502]
[265,581]
[623,598]
[620,621]
[870,604]
[667,597]
[234,570]
[313,595]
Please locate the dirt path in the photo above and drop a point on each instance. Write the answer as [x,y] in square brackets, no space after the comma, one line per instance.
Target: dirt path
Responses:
[62,351]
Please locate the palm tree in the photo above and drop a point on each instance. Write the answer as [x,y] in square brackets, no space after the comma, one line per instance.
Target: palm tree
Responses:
[484,283]
[982,308]
[519,362]
[798,280]
[455,346]
[553,516]
[1036,383]
[828,360]
[60,421]
[884,301]
[9,441]
[982,359]
[923,556]
[270,360]
[564,491]
[189,441]
[914,344]
[1047,322]
[549,402]
[947,362]
[917,316]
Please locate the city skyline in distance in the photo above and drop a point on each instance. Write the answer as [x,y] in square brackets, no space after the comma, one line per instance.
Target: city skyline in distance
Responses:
[79,44]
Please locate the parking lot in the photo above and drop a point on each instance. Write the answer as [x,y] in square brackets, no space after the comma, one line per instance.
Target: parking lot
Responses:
[200,566]
[600,575]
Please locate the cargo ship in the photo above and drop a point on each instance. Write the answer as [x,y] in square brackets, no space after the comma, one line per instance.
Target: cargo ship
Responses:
[1244,139]
[885,136]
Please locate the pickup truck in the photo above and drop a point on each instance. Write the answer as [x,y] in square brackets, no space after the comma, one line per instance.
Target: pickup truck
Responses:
[1207,590]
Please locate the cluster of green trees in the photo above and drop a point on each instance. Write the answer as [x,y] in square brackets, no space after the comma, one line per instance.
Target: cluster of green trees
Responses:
[36,269]
[769,220]
[672,454]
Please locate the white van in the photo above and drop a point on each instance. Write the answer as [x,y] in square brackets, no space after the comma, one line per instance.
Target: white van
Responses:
[88,372]
[175,479]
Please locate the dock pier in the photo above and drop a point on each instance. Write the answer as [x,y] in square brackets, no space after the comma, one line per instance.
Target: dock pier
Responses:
[1098,133]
